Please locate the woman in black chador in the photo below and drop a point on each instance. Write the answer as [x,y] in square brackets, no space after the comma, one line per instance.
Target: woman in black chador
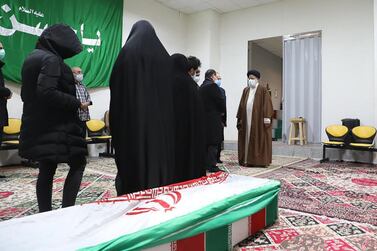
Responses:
[190,148]
[141,112]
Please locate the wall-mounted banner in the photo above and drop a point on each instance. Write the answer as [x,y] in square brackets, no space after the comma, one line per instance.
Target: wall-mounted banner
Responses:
[97,23]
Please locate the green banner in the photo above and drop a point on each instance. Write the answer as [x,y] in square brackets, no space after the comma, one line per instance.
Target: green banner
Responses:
[97,23]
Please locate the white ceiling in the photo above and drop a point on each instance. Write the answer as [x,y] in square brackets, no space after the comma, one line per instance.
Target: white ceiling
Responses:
[221,6]
[273,44]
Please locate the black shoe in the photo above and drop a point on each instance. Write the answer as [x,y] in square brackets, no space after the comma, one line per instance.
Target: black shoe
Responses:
[2,177]
[219,161]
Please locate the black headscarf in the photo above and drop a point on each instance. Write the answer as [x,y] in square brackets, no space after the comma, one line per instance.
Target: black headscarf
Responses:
[189,123]
[141,112]
[61,40]
[180,65]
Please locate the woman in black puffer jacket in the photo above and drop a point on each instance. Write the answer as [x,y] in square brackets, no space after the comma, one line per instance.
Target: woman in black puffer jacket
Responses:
[51,132]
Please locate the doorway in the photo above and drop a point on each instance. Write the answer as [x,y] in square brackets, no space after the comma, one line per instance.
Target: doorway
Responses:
[291,69]
[266,56]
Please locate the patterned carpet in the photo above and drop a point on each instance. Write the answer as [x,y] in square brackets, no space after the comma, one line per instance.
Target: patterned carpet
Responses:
[17,191]
[342,190]
[230,159]
[307,232]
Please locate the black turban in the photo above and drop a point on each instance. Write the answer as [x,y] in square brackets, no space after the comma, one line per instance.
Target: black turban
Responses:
[254,73]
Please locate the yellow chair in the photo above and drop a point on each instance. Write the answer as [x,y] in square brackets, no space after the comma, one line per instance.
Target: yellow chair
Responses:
[363,136]
[96,129]
[96,135]
[336,134]
[11,133]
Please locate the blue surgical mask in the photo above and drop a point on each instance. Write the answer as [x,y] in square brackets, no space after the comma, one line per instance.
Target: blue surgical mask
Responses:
[218,82]
[2,54]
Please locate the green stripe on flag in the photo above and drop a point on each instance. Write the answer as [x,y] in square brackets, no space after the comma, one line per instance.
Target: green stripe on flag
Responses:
[210,217]
[272,211]
[218,239]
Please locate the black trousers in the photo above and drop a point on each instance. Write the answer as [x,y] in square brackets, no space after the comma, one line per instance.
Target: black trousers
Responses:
[118,185]
[83,128]
[1,134]
[1,140]
[220,147]
[212,156]
[71,186]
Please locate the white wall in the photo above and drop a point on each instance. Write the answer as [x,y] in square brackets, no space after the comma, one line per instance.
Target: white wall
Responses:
[170,25]
[375,58]
[347,45]
[14,104]
[270,67]
[203,39]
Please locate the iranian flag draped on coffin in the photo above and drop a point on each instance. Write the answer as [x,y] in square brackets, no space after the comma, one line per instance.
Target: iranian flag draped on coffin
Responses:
[211,213]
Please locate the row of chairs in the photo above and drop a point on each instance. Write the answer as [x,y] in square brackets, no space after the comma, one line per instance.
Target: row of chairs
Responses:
[360,138]
[97,133]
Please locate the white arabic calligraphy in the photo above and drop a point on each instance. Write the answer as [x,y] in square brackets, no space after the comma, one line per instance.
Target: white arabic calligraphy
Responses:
[90,41]
[37,31]
[31,11]
[26,28]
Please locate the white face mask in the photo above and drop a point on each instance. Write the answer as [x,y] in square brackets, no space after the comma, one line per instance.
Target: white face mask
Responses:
[252,83]
[78,77]
[196,78]
[2,54]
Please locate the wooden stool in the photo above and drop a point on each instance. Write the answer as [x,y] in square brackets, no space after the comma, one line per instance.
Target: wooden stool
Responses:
[297,125]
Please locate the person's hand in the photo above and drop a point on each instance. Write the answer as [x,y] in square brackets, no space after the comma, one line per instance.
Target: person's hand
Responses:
[267,122]
[84,106]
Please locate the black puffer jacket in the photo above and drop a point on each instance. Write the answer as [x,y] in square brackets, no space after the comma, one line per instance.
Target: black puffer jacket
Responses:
[4,93]
[50,126]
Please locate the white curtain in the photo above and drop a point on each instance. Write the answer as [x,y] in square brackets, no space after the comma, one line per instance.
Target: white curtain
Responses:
[302,85]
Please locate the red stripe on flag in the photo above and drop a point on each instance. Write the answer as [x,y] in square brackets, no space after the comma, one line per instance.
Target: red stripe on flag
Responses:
[257,221]
[196,243]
